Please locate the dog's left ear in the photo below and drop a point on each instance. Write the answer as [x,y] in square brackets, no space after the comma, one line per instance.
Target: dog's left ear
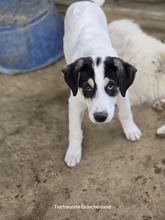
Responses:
[71,74]
[125,74]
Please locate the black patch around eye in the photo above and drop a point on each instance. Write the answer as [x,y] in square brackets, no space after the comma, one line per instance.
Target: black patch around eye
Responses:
[88,91]
[86,74]
[112,89]
[110,73]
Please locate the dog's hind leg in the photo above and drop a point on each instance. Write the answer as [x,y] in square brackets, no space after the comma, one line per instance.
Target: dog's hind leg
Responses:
[130,129]
[76,111]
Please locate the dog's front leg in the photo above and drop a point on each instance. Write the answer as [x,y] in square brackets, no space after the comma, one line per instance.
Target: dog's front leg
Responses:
[161,131]
[130,129]
[76,111]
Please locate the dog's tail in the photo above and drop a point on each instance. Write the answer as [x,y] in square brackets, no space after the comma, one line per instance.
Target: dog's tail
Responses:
[98,2]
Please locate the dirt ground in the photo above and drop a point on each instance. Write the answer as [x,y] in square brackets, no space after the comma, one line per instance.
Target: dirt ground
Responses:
[34,180]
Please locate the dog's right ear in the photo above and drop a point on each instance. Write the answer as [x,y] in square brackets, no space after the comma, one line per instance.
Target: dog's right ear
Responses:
[72,73]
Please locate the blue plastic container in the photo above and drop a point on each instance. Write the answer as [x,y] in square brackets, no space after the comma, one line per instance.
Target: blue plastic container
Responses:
[31,35]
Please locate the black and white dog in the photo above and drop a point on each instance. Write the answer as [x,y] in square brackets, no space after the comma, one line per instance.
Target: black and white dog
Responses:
[97,77]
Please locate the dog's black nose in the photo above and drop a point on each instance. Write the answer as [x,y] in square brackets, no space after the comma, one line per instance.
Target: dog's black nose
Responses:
[100,116]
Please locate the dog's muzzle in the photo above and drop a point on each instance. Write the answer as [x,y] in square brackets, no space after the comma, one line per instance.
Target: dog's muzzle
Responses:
[100,116]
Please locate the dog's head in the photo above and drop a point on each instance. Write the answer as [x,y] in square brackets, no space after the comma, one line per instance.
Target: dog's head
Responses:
[99,81]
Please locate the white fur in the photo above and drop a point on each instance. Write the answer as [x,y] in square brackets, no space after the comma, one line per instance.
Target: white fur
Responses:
[86,25]
[86,34]
[99,2]
[102,102]
[161,131]
[148,55]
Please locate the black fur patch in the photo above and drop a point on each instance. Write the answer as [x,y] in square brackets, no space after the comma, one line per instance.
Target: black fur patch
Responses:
[110,73]
[121,72]
[98,61]
[87,73]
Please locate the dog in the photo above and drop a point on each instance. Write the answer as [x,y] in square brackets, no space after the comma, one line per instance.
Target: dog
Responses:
[148,55]
[98,79]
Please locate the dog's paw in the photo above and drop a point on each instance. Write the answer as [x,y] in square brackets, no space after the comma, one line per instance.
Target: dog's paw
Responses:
[161,131]
[73,156]
[132,132]
[159,105]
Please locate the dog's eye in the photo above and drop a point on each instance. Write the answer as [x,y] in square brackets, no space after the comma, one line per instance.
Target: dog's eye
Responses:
[88,90]
[112,88]
[110,85]
[87,87]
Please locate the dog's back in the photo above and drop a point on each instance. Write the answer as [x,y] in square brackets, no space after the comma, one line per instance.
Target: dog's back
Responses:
[85,26]
[147,54]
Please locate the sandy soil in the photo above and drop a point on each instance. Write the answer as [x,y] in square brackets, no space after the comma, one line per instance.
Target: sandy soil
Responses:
[113,171]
